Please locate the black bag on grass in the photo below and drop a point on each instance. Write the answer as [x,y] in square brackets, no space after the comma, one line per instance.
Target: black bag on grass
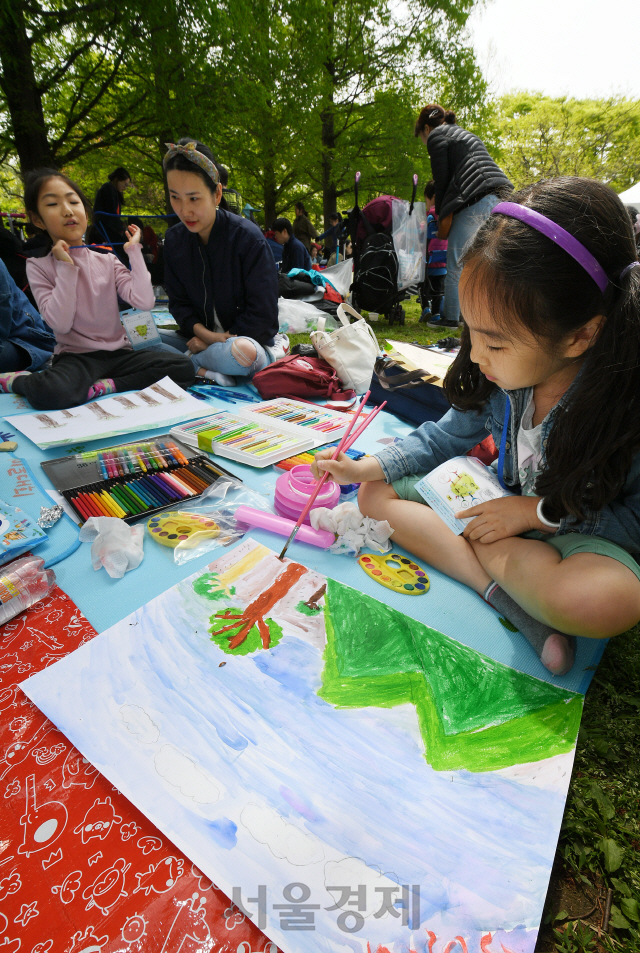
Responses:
[375,284]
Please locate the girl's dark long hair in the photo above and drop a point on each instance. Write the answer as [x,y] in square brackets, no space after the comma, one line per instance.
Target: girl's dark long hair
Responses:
[33,186]
[531,282]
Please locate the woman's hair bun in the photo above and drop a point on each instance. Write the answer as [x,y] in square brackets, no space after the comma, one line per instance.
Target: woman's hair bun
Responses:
[450,117]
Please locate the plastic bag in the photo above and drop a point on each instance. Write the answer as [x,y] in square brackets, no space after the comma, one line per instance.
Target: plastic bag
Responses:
[208,523]
[410,241]
[340,275]
[296,317]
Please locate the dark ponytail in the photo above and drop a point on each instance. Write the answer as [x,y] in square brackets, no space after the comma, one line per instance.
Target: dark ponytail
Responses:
[596,434]
[433,115]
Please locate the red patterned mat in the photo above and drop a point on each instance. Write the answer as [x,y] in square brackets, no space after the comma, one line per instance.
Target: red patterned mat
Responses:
[81,870]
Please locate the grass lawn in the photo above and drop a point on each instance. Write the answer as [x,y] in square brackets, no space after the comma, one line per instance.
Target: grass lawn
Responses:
[599,847]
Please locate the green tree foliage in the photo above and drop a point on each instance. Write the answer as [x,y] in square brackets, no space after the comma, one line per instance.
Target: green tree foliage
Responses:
[542,137]
[65,87]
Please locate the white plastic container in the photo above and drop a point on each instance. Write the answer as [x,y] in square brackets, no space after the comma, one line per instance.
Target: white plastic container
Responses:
[23,583]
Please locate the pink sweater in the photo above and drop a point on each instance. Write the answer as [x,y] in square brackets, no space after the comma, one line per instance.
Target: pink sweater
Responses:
[79,301]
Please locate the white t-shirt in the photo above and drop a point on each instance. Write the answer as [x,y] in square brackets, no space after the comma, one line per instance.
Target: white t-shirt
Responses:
[529,450]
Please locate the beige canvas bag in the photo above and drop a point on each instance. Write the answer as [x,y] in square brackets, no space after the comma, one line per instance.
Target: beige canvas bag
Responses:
[351,349]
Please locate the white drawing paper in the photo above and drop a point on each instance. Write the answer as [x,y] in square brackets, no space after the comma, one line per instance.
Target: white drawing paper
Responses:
[302,743]
[161,405]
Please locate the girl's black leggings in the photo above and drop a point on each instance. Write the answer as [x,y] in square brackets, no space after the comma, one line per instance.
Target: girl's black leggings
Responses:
[67,382]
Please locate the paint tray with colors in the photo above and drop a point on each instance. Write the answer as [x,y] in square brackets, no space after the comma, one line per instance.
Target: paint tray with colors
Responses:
[130,482]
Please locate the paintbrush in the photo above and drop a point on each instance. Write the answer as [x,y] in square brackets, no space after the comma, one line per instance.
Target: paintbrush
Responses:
[325,475]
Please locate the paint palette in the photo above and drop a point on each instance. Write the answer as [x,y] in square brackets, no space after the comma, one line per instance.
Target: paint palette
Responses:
[185,530]
[397,573]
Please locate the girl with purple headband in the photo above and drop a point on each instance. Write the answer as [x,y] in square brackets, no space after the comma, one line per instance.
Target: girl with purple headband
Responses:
[549,364]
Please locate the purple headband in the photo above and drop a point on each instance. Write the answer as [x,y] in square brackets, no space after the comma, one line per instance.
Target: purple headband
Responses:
[634,264]
[558,235]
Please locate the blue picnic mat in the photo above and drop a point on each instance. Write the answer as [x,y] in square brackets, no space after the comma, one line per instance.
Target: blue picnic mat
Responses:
[448,606]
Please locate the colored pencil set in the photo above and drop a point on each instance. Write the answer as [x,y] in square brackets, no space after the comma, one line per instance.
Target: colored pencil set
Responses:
[304,415]
[265,434]
[130,496]
[135,458]
[246,438]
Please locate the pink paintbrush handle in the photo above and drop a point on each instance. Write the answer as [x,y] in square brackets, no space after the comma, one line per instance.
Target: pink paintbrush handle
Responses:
[337,452]
[363,426]
[350,427]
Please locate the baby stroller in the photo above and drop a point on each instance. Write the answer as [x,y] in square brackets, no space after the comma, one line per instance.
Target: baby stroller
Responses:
[375,261]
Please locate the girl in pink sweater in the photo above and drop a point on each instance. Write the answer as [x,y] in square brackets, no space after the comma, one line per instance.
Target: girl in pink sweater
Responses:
[76,289]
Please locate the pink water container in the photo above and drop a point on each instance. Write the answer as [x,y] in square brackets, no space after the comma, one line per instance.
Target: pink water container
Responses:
[294,488]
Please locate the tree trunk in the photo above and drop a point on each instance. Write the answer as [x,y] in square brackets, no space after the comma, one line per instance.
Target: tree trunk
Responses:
[327,117]
[269,193]
[269,155]
[24,101]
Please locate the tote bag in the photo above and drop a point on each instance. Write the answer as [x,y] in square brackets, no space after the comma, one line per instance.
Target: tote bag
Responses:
[351,349]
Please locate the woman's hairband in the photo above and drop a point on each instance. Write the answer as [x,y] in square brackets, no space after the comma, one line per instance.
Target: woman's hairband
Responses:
[558,235]
[191,153]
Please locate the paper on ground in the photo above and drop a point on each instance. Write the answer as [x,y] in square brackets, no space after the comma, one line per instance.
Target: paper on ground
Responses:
[160,405]
[432,362]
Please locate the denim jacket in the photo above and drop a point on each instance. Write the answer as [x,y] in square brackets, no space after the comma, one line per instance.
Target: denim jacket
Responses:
[21,324]
[458,432]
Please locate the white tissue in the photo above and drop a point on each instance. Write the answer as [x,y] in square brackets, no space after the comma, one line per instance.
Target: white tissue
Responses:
[354,530]
[116,545]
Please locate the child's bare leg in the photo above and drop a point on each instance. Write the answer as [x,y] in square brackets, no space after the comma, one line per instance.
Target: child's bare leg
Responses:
[584,594]
[421,531]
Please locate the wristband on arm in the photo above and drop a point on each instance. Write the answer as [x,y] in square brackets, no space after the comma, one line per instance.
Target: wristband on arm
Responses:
[543,519]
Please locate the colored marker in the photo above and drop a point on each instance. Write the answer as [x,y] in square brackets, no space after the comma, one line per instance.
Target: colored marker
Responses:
[177,453]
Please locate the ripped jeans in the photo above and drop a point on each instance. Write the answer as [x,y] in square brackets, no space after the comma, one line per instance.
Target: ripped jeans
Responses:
[219,357]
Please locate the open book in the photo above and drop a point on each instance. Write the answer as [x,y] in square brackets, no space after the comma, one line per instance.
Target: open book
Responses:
[459,484]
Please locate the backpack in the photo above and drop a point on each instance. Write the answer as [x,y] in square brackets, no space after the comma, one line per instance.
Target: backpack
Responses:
[298,376]
[375,283]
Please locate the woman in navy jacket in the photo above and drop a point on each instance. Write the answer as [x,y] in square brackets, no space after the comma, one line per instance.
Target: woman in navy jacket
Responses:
[219,272]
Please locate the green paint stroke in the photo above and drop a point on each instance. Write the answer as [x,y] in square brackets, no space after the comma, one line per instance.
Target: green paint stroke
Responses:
[307,610]
[253,641]
[473,712]
[210,587]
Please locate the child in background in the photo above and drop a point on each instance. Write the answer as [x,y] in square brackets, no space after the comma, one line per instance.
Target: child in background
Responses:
[550,365]
[436,270]
[76,289]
